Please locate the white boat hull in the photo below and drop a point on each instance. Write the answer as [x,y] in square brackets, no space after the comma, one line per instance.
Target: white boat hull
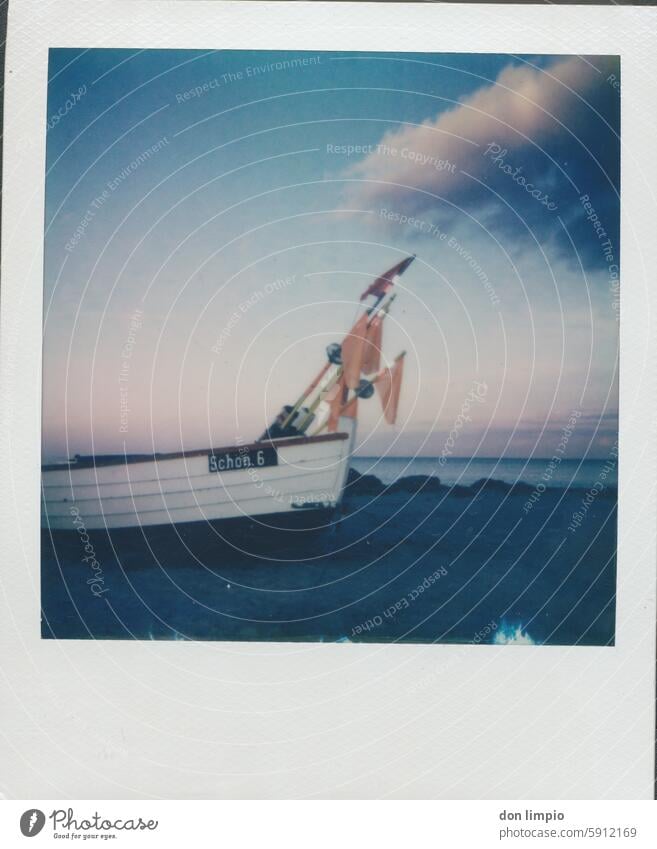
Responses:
[269,479]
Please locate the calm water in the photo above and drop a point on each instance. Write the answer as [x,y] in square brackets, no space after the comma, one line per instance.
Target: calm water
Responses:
[465,471]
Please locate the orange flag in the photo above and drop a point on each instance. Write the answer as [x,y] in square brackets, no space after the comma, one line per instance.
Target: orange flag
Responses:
[382,284]
[389,387]
[352,352]
[372,347]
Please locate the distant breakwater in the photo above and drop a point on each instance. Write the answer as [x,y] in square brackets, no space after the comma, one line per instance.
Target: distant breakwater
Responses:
[359,484]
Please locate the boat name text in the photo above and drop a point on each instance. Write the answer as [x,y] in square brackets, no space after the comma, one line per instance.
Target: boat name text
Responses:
[243,458]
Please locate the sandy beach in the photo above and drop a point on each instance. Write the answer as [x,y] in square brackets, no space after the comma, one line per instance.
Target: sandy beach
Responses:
[415,561]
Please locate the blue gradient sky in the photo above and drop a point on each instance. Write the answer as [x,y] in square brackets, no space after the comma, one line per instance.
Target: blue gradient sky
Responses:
[243,187]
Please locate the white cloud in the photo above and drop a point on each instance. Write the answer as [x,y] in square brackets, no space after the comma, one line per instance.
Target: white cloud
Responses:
[524,107]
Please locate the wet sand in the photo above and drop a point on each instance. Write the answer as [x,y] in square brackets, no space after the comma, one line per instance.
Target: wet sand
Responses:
[411,562]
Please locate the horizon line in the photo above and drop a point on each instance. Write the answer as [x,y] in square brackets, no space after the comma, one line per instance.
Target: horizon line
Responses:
[466,457]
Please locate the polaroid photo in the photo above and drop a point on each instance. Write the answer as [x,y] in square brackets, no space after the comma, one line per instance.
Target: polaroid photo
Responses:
[315,318]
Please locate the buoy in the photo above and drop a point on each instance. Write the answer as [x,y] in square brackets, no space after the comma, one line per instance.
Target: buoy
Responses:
[365,389]
[334,353]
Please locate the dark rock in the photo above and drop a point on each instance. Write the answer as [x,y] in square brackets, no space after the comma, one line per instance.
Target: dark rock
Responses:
[358,484]
[521,488]
[417,483]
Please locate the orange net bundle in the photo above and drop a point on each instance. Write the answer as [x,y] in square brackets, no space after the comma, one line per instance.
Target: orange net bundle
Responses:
[339,407]
[372,346]
[388,384]
[352,352]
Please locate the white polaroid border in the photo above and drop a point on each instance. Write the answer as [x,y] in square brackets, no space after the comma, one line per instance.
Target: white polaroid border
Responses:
[93,720]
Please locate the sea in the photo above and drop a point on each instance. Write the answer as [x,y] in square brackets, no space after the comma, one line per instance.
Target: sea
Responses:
[464,471]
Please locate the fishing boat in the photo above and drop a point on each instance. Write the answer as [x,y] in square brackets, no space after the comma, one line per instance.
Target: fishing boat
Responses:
[293,475]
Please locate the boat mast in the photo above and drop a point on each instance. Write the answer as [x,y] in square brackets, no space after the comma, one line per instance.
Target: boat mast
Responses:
[363,334]
[313,384]
[331,378]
